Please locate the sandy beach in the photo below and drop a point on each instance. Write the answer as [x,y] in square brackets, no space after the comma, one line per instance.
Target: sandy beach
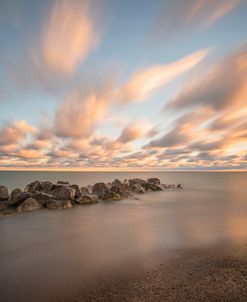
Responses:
[217,274]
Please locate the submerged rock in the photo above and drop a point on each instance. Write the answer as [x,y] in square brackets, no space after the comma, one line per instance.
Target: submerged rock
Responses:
[30,204]
[87,199]
[53,204]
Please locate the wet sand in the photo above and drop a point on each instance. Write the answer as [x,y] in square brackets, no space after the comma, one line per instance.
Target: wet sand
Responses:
[217,274]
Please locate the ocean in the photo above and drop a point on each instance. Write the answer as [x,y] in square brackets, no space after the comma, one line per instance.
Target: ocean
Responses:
[46,248]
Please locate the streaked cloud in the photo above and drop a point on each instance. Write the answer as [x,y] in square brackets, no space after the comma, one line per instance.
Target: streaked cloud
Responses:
[144,82]
[175,16]
[68,36]
[219,88]
[135,130]
[81,111]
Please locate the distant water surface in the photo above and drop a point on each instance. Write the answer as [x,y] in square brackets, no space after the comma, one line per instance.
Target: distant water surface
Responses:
[46,253]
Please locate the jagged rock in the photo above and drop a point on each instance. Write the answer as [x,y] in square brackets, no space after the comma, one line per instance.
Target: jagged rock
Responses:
[111,196]
[116,182]
[154,187]
[4,193]
[30,204]
[90,189]
[154,180]
[117,189]
[63,193]
[124,186]
[85,190]
[42,198]
[137,188]
[108,185]
[99,189]
[87,199]
[61,182]
[14,193]
[77,190]
[40,186]
[19,198]
[104,193]
[139,181]
[58,204]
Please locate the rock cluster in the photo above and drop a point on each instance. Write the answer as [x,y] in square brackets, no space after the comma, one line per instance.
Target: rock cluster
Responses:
[63,195]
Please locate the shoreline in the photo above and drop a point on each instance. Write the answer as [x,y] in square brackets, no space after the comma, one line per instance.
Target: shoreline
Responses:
[215,274]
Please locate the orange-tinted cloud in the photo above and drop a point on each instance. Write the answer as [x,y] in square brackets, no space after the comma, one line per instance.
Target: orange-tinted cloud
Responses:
[134,130]
[68,36]
[81,112]
[15,132]
[146,81]
[29,154]
[219,88]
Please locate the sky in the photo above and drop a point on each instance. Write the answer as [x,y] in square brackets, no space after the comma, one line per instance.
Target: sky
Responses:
[123,85]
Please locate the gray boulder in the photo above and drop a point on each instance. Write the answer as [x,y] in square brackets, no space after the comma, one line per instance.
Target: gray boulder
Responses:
[42,198]
[117,189]
[138,181]
[40,186]
[104,193]
[19,198]
[85,190]
[4,193]
[116,182]
[53,204]
[63,193]
[99,189]
[137,188]
[154,180]
[154,187]
[87,199]
[61,182]
[30,204]
[4,196]
[14,193]
[77,190]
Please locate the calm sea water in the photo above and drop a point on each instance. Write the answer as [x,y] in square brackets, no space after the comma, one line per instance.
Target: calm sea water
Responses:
[45,254]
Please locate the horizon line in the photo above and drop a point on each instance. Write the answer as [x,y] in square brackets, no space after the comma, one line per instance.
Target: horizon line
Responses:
[116,170]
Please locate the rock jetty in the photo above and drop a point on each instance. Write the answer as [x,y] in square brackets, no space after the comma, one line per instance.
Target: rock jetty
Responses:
[63,195]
